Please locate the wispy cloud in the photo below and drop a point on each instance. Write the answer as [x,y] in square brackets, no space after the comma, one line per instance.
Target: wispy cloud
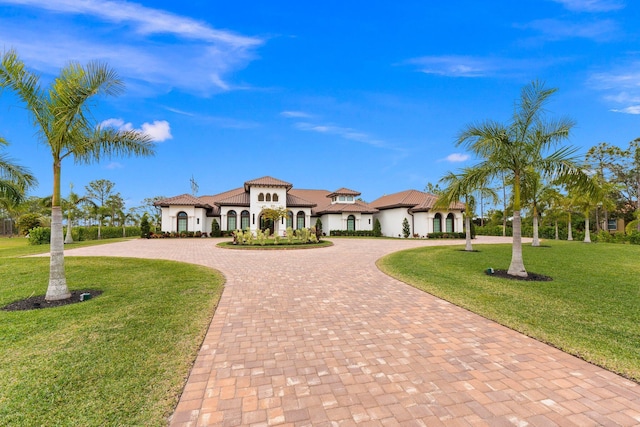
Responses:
[295,114]
[632,109]
[342,132]
[620,86]
[114,165]
[457,157]
[558,29]
[158,131]
[592,5]
[473,66]
[150,46]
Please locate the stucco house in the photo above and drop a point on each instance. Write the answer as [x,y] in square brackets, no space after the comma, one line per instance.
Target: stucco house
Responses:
[242,208]
[417,207]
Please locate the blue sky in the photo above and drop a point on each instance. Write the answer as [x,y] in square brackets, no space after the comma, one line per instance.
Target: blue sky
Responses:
[364,95]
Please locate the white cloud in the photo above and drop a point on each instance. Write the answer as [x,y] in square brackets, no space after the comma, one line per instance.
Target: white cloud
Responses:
[132,39]
[457,157]
[159,130]
[592,5]
[632,109]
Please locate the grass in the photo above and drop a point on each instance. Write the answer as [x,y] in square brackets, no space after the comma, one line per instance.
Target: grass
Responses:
[118,359]
[591,308]
[19,246]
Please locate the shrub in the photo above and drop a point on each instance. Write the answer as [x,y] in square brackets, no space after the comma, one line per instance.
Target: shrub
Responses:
[406,231]
[318,229]
[28,221]
[352,233]
[634,238]
[631,227]
[145,228]
[377,228]
[39,236]
[441,235]
[215,229]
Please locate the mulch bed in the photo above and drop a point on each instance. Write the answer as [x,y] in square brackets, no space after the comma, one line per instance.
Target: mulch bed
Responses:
[38,302]
[532,277]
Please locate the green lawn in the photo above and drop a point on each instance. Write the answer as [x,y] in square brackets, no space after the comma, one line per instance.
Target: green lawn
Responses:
[591,308]
[117,359]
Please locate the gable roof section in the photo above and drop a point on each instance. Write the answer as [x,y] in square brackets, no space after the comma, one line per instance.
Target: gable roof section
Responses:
[183,199]
[344,192]
[267,181]
[240,199]
[357,207]
[417,201]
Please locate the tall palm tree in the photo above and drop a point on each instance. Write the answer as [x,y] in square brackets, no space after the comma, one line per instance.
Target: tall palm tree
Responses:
[71,204]
[61,114]
[515,147]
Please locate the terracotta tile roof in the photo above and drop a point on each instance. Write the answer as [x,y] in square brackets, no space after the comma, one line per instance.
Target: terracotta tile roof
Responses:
[240,199]
[357,207]
[267,181]
[344,192]
[417,201]
[295,201]
[183,199]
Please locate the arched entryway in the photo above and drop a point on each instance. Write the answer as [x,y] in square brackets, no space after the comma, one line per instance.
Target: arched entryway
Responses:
[267,224]
[351,223]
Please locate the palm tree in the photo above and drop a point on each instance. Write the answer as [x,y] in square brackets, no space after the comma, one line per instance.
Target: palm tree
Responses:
[61,114]
[460,187]
[14,179]
[517,146]
[72,203]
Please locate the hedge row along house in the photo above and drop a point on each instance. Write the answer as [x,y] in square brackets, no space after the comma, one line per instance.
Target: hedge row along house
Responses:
[242,208]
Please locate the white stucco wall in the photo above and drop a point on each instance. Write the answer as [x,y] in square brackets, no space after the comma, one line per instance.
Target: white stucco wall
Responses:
[391,221]
[196,218]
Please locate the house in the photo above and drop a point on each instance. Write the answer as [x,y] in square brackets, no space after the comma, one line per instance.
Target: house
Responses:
[417,208]
[243,207]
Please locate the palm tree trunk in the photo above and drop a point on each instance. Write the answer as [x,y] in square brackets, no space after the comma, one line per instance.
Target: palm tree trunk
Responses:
[516,268]
[57,288]
[569,229]
[536,240]
[587,233]
[68,238]
[557,236]
[467,225]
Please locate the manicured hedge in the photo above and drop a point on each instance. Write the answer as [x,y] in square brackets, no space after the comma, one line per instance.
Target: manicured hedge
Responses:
[360,233]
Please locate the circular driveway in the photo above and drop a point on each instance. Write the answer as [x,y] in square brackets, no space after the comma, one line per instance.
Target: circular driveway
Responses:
[323,338]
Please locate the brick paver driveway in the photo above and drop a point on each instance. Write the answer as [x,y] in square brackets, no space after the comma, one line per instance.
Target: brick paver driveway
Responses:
[322,338]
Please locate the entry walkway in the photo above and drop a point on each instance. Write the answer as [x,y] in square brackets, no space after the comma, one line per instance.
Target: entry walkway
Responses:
[323,338]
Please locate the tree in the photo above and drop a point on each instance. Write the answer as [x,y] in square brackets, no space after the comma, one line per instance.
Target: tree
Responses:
[71,205]
[145,228]
[14,179]
[513,148]
[61,113]
[377,228]
[100,191]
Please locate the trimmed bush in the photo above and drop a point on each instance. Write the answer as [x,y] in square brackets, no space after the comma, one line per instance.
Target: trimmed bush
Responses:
[377,228]
[352,233]
[444,235]
[39,236]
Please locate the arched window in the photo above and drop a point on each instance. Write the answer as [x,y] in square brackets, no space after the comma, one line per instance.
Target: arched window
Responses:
[449,223]
[351,223]
[268,199]
[244,220]
[261,197]
[182,222]
[232,221]
[289,219]
[437,223]
[275,197]
[300,220]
